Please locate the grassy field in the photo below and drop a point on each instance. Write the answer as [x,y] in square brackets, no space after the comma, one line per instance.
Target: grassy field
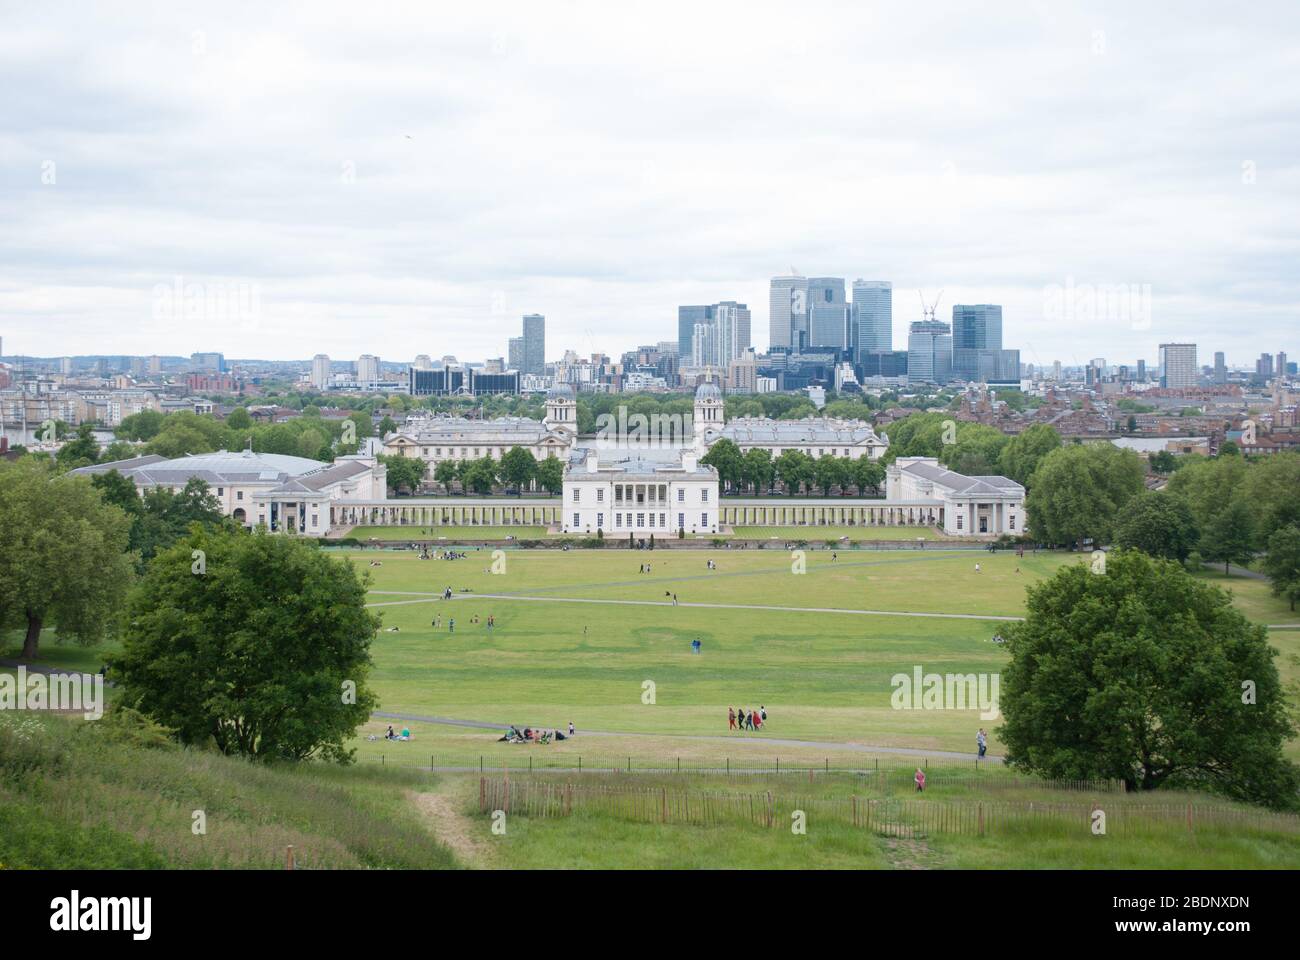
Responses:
[818,534]
[578,634]
[408,534]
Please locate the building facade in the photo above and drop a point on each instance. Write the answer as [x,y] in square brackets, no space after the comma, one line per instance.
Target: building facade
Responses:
[639,497]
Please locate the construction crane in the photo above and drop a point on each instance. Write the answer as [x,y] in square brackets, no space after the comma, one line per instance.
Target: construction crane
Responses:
[927,313]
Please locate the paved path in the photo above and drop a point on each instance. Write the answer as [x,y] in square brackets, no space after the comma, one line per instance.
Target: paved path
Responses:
[772,741]
[428,598]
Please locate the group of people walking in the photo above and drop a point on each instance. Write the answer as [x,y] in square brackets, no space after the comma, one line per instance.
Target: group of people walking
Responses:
[742,720]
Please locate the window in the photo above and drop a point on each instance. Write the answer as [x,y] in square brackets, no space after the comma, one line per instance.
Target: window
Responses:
[704,519]
[1011,521]
[652,519]
[959,521]
[239,494]
[618,519]
[704,496]
[640,519]
[681,494]
[663,519]
[600,521]
[681,521]
[600,495]
[221,491]
[576,494]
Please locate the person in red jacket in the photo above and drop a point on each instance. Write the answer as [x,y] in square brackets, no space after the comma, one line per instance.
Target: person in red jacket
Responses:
[920,779]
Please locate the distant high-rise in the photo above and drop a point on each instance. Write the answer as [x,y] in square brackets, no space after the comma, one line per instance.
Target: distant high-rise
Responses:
[1178,370]
[320,371]
[1264,366]
[423,362]
[977,342]
[788,313]
[1220,368]
[515,353]
[215,362]
[367,368]
[1281,363]
[534,344]
[873,317]
[929,352]
[828,314]
[1142,371]
[713,334]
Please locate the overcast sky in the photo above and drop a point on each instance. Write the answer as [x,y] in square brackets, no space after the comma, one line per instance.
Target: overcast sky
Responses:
[370,178]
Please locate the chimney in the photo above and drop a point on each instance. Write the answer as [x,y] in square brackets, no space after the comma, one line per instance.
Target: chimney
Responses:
[593,461]
[689,461]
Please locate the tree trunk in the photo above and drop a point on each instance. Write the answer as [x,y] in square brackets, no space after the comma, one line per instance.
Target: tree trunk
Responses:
[33,638]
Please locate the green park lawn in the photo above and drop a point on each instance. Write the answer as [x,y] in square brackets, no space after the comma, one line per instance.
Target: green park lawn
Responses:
[814,534]
[560,651]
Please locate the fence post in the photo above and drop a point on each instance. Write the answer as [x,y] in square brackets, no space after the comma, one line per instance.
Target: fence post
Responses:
[482,795]
[663,798]
[530,763]
[1189,816]
[629,764]
[828,764]
[288,857]
[778,764]
[480,763]
[580,763]
[728,766]
[981,819]
[855,809]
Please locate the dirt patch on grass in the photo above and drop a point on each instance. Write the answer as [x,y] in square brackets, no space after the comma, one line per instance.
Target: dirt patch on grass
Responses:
[909,854]
[453,828]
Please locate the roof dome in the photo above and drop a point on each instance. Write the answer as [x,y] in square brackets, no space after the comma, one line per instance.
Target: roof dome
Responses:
[560,391]
[708,391]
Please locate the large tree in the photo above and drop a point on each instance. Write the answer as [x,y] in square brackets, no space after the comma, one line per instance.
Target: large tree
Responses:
[518,467]
[550,474]
[1026,450]
[1078,490]
[63,555]
[725,457]
[1145,674]
[403,473]
[1282,563]
[1229,537]
[261,645]
[1158,525]
[758,470]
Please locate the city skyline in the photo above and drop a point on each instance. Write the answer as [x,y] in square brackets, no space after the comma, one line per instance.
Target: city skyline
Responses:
[351,202]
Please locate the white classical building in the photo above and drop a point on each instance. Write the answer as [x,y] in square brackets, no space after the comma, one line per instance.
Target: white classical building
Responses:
[286,494]
[814,436]
[966,506]
[633,495]
[435,439]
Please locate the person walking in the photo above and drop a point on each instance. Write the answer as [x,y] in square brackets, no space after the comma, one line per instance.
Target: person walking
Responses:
[920,780]
[570,728]
[451,625]
[762,713]
[731,718]
[982,741]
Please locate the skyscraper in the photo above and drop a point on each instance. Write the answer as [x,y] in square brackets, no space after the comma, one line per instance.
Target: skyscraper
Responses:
[828,314]
[788,312]
[534,344]
[713,334]
[977,342]
[515,353]
[929,352]
[367,368]
[873,317]
[1178,366]
[1220,368]
[320,371]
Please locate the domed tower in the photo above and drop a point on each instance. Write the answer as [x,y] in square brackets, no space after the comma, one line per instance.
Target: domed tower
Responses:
[708,412]
[561,410]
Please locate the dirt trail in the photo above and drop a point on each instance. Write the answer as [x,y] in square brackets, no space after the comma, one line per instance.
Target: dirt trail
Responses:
[441,811]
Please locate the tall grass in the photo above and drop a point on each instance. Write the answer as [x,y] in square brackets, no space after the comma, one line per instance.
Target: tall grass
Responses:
[72,796]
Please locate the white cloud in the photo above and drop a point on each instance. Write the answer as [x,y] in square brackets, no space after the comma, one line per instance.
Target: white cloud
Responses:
[385,174]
